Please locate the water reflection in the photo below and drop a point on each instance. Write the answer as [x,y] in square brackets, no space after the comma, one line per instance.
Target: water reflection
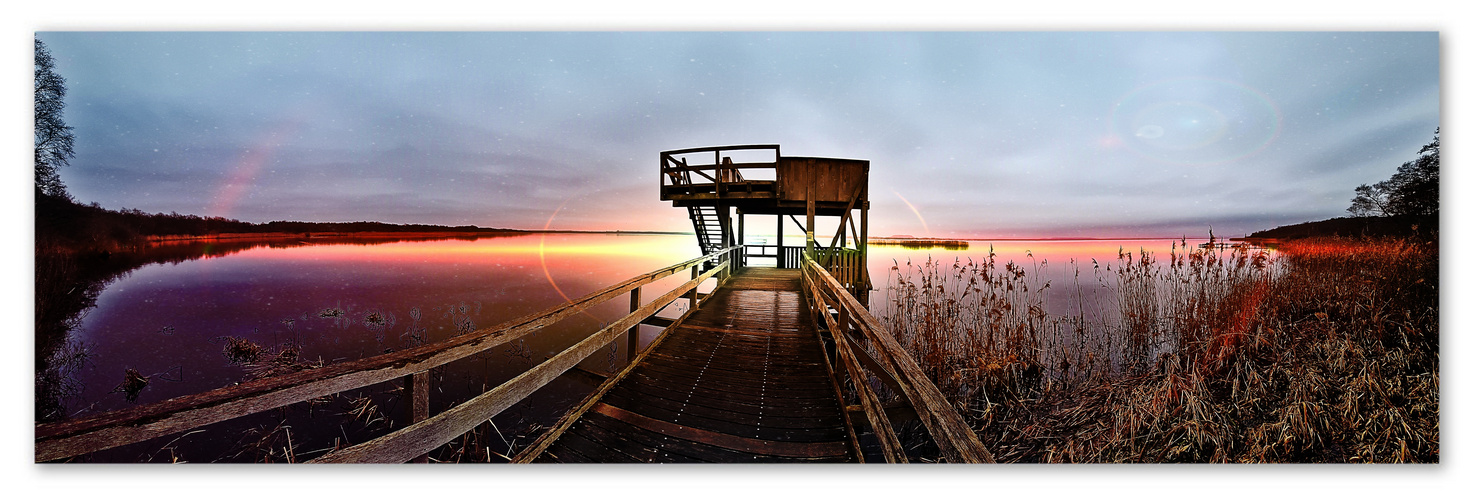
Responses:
[177,319]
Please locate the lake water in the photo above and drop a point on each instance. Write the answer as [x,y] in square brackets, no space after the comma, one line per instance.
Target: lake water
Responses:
[171,322]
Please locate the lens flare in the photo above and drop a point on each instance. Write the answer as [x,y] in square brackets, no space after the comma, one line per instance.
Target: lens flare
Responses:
[542,257]
[1195,121]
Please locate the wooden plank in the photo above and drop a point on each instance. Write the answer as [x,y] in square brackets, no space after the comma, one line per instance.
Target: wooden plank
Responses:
[738,443]
[657,321]
[787,371]
[708,149]
[679,450]
[640,445]
[602,452]
[702,405]
[737,408]
[422,437]
[643,386]
[791,383]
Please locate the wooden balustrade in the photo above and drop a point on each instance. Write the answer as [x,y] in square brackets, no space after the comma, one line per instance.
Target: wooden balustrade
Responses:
[60,440]
[852,326]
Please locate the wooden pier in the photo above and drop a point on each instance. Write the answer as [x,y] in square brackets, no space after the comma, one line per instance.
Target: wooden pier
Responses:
[742,379]
[775,364]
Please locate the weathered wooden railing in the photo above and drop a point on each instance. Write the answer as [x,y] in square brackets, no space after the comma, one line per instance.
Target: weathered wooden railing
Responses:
[846,265]
[850,324]
[721,178]
[424,433]
[794,254]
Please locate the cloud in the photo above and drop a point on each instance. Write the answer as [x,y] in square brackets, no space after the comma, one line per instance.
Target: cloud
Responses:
[1008,132]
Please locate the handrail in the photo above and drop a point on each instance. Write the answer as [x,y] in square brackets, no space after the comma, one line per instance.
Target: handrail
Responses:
[423,437]
[709,149]
[59,440]
[678,172]
[894,367]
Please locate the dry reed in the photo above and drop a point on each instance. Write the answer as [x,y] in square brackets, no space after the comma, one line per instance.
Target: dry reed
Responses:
[1326,353]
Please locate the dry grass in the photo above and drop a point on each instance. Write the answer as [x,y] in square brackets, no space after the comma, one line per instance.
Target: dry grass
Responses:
[284,359]
[240,350]
[1328,355]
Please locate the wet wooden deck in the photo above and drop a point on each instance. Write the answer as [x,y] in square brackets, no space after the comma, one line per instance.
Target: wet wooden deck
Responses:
[743,379]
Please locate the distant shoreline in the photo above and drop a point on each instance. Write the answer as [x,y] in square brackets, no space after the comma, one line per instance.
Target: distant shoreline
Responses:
[315,235]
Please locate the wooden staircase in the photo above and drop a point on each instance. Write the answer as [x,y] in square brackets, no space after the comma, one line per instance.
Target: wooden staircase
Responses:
[708,231]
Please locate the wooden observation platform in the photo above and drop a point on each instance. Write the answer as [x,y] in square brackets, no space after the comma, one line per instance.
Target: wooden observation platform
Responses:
[775,364]
[757,180]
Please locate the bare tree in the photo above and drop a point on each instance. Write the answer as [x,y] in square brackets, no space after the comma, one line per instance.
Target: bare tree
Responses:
[1371,200]
[53,137]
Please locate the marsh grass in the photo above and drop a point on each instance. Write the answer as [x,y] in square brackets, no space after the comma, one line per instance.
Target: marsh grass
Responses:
[241,350]
[1323,351]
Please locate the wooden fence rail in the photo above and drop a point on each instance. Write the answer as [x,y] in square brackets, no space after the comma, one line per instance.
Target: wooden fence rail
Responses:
[851,325]
[60,440]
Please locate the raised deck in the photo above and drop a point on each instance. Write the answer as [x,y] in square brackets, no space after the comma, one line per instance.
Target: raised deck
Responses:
[743,379]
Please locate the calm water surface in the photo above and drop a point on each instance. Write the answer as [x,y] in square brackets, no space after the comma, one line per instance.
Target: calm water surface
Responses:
[341,302]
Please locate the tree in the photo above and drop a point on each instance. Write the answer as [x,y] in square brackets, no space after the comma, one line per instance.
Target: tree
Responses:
[1415,189]
[53,137]
[1419,181]
[1371,200]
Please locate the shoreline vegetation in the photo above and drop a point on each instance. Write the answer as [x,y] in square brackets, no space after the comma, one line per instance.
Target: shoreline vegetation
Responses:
[65,225]
[1319,349]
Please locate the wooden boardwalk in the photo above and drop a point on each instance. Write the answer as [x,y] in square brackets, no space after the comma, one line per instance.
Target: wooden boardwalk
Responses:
[743,379]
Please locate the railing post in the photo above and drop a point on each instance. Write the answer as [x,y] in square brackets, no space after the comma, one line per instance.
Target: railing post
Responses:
[416,394]
[634,330]
[694,292]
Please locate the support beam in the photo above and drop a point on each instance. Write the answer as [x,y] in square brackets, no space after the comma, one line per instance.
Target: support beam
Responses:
[798,223]
[740,227]
[863,243]
[781,262]
[812,209]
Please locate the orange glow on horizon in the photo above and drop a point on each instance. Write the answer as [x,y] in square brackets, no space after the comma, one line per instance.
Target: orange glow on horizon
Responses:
[531,247]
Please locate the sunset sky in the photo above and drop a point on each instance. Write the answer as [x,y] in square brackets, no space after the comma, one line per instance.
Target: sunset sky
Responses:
[970,134]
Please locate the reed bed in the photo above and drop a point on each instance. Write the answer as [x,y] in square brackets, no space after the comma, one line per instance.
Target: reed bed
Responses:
[1323,351]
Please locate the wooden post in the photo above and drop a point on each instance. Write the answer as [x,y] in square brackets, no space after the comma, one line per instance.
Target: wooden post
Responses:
[740,227]
[781,262]
[694,291]
[634,330]
[416,394]
[863,242]
[740,238]
[812,208]
[727,236]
